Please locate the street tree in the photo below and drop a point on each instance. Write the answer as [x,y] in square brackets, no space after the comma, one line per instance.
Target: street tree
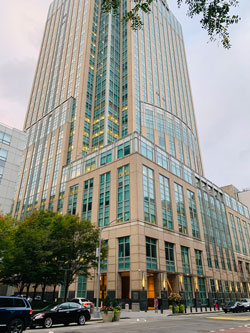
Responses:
[216,17]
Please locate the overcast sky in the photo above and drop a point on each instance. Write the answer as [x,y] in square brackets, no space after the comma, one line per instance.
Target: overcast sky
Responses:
[219,78]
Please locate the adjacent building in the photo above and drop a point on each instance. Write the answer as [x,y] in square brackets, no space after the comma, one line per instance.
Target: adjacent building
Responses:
[112,137]
[12,144]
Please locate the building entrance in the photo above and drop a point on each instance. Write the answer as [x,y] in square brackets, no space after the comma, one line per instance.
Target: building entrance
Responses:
[152,279]
[125,285]
[103,286]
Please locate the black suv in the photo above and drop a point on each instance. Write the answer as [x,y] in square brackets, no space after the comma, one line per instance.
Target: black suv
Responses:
[15,314]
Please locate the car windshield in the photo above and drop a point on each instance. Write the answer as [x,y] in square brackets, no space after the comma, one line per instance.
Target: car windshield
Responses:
[230,303]
[54,308]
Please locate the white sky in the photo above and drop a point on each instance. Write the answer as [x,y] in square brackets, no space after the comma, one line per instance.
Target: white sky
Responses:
[219,79]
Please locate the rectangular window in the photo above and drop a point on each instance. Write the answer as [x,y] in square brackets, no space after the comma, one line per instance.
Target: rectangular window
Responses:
[242,240]
[106,157]
[216,261]
[228,260]
[3,154]
[233,287]
[72,200]
[181,216]
[202,290]
[90,164]
[220,288]
[188,290]
[236,241]
[185,260]
[124,253]
[104,199]
[169,252]
[123,149]
[212,285]
[193,214]
[149,195]
[81,286]
[222,260]
[5,138]
[104,263]
[248,269]
[151,256]
[166,209]
[87,199]
[226,286]
[123,194]
[198,259]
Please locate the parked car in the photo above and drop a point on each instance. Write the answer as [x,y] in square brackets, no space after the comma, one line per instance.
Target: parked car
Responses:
[83,302]
[233,307]
[65,313]
[246,303]
[15,314]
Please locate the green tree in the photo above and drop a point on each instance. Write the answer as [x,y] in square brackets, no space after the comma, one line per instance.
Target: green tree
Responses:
[215,15]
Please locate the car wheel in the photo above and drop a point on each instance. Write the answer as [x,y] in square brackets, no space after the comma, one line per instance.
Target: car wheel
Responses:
[48,322]
[225,311]
[81,320]
[15,326]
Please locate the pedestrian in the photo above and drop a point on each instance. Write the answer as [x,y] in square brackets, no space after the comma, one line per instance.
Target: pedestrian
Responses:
[156,303]
[216,305]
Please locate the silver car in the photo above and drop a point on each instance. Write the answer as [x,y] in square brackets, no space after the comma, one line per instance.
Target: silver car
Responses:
[83,302]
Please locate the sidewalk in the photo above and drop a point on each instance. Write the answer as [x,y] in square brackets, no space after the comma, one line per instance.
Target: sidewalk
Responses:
[153,314]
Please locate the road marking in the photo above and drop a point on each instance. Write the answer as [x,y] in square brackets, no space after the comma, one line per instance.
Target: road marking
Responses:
[230,318]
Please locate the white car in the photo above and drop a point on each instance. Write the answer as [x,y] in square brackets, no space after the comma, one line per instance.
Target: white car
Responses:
[246,303]
[83,302]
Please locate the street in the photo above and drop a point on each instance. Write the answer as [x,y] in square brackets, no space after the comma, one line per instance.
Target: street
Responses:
[216,322]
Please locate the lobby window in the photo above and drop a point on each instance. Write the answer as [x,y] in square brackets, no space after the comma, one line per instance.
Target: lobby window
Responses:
[181,216]
[72,199]
[123,149]
[166,209]
[235,237]
[3,154]
[193,214]
[149,195]
[106,157]
[81,286]
[220,288]
[248,269]
[226,286]
[169,253]
[151,256]
[202,290]
[124,253]
[188,290]
[212,286]
[198,259]
[238,287]
[87,199]
[185,260]
[104,199]
[123,194]
[5,138]
[233,286]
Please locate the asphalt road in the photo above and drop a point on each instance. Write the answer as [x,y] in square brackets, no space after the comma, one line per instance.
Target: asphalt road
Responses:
[219,322]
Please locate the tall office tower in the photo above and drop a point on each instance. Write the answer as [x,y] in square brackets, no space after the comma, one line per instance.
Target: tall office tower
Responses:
[112,137]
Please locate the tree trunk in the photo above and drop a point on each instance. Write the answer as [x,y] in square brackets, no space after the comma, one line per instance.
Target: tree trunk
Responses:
[27,290]
[20,289]
[34,290]
[43,291]
[54,292]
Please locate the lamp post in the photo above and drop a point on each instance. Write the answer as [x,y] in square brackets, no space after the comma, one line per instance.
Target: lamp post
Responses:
[97,312]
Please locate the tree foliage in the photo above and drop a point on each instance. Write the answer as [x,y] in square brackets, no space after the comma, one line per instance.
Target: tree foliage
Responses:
[45,245]
[215,15]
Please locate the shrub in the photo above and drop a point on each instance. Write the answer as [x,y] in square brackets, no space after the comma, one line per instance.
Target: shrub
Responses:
[177,309]
[182,308]
[170,307]
[174,298]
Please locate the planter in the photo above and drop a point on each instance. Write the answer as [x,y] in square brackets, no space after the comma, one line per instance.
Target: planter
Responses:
[117,315]
[107,317]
